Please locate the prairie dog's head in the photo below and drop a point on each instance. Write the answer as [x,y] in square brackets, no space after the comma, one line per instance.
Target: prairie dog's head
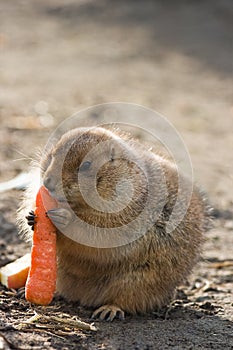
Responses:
[93,168]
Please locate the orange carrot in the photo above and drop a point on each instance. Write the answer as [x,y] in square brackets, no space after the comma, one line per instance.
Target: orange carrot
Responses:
[41,282]
[14,275]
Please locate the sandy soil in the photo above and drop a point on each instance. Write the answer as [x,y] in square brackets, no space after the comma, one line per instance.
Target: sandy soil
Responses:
[58,57]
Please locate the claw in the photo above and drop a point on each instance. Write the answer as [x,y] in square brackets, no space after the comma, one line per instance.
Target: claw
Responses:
[108,313]
[31,219]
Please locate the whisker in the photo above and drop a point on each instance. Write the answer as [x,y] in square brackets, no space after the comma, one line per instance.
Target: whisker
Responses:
[20,159]
[25,156]
[21,153]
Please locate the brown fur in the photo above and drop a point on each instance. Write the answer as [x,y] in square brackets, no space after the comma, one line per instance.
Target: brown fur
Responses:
[142,275]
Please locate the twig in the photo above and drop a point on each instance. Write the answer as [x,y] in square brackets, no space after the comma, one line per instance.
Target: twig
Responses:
[69,322]
[221,264]
[42,331]
[31,320]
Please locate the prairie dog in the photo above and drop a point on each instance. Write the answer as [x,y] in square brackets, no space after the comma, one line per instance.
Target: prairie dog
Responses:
[113,254]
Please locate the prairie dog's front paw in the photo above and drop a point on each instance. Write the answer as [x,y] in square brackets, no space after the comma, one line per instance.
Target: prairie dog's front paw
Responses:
[60,216]
[31,219]
[108,313]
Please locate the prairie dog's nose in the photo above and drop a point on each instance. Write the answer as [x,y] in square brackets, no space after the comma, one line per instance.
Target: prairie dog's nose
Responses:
[49,183]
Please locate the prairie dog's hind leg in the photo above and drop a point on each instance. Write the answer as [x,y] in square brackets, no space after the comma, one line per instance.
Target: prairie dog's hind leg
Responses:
[108,313]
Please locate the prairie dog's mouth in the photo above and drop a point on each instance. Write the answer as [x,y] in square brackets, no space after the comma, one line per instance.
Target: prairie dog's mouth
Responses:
[62,202]
[59,199]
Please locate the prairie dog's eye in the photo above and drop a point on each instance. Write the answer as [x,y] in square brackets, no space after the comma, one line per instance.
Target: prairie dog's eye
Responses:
[85,166]
[112,157]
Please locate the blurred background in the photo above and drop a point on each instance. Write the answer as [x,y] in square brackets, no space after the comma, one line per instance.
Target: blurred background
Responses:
[175,57]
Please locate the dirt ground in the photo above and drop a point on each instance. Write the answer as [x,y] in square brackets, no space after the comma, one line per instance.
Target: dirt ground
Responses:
[175,57]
